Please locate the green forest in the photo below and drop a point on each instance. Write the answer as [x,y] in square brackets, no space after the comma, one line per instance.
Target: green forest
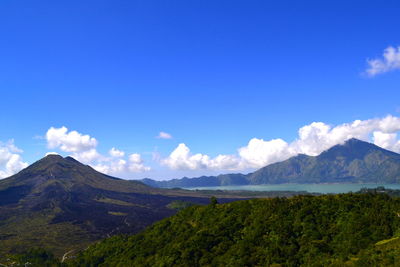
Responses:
[330,230]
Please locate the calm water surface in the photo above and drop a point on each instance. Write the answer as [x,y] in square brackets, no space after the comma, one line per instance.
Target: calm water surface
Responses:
[312,188]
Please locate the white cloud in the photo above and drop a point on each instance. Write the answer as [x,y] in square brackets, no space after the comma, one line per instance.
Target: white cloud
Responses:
[182,159]
[119,166]
[10,159]
[312,139]
[316,140]
[116,153]
[69,141]
[387,140]
[84,149]
[136,163]
[88,156]
[82,146]
[390,61]
[224,162]
[112,167]
[164,135]
[260,153]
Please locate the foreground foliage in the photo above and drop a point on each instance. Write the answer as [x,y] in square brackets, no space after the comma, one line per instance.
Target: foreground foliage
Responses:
[33,257]
[346,229]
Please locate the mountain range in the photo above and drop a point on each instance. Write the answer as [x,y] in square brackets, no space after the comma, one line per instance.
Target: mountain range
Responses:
[61,204]
[355,161]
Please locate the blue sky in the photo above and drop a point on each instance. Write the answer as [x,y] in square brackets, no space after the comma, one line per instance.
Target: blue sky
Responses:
[212,74]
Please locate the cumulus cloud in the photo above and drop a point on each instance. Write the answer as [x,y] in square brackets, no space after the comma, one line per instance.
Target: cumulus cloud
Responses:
[118,166]
[88,156]
[164,135]
[116,153]
[182,159]
[312,139]
[136,163]
[389,61]
[387,141]
[260,153]
[10,159]
[84,148]
[111,167]
[69,141]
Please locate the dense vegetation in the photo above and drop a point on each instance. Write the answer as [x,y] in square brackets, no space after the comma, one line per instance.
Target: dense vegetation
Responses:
[353,229]
[354,161]
[61,204]
[34,257]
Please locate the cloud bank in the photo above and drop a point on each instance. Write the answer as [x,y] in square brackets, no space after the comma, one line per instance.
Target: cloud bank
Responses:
[84,148]
[312,140]
[390,61]
[10,159]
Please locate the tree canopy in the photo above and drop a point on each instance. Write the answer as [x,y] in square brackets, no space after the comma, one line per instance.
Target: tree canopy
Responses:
[303,230]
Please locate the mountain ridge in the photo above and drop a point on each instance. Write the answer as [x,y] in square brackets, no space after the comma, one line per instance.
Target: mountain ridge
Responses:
[354,161]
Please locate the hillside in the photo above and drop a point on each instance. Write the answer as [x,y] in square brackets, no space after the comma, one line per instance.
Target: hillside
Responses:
[354,161]
[60,204]
[305,230]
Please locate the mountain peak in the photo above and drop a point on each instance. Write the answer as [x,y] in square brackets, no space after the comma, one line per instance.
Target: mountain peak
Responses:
[68,172]
[51,158]
[351,149]
[54,159]
[354,140]
[55,167]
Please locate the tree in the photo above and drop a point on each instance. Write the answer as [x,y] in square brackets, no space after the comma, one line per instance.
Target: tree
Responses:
[213,201]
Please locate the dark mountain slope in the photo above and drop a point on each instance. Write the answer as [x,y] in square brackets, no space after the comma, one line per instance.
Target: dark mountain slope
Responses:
[68,172]
[354,161]
[61,204]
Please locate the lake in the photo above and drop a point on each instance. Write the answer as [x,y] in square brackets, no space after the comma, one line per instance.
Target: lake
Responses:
[312,188]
